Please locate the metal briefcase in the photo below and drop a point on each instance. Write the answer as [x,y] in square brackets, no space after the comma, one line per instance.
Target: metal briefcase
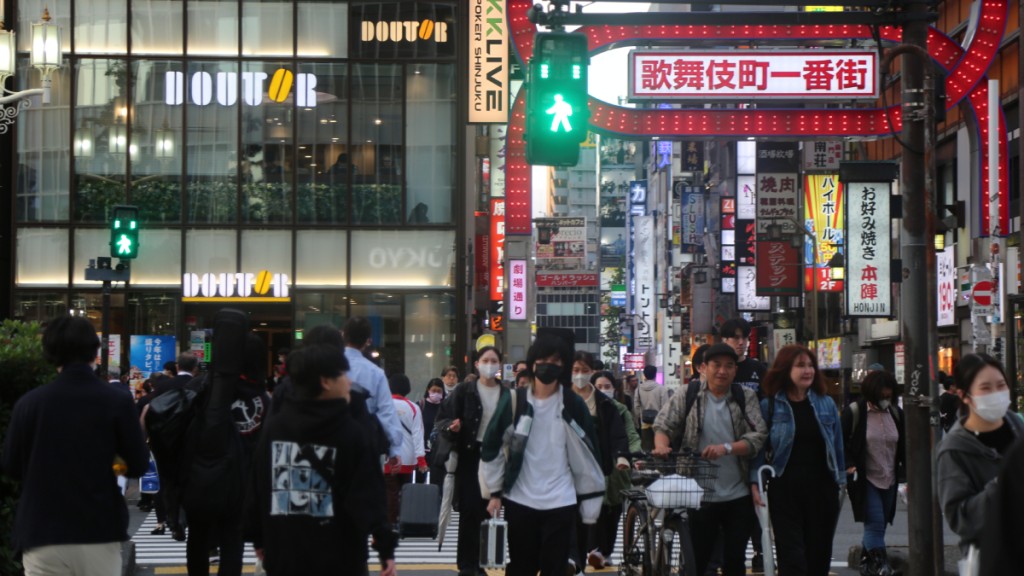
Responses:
[493,538]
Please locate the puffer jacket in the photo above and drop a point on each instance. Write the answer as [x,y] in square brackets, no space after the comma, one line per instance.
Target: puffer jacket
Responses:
[670,422]
[967,470]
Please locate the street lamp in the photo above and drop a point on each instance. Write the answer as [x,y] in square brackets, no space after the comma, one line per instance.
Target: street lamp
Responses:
[46,56]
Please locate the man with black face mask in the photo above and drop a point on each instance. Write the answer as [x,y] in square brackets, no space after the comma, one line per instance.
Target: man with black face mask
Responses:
[552,463]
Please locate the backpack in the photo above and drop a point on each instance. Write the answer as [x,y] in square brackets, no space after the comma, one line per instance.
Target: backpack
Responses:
[169,416]
[693,388]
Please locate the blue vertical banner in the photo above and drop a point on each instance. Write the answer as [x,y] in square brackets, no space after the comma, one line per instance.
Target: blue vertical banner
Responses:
[148,353]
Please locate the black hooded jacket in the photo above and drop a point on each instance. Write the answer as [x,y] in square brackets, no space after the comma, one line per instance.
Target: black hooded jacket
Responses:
[317,492]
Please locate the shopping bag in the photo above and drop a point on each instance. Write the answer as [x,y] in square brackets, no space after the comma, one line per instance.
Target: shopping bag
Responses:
[493,539]
[149,483]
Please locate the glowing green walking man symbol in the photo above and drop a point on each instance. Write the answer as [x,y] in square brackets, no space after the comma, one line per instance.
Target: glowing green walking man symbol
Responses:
[124,245]
[561,111]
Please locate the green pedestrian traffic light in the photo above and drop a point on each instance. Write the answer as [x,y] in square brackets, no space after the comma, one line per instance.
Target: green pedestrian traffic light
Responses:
[124,233]
[557,116]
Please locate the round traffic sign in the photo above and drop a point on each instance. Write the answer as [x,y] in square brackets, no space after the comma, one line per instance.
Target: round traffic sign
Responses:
[982,293]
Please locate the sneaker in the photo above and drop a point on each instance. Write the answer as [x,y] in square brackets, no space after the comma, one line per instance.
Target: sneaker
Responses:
[215,555]
[596,559]
[178,533]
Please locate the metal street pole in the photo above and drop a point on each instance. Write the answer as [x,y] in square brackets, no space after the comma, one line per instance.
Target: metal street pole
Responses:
[914,313]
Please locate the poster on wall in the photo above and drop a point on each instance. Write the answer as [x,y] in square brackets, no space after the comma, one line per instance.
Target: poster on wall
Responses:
[945,276]
[148,353]
[869,283]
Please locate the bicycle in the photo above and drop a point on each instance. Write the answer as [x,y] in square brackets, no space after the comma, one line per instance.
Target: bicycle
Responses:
[657,516]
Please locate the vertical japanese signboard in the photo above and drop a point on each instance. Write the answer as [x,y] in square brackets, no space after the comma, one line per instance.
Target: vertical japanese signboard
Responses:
[778,268]
[728,229]
[824,219]
[747,299]
[692,216]
[693,156]
[645,298]
[497,249]
[869,283]
[778,200]
[488,62]
[517,290]
[746,198]
[822,155]
[945,299]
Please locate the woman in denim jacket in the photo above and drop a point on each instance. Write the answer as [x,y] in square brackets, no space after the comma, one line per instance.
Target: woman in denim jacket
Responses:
[803,426]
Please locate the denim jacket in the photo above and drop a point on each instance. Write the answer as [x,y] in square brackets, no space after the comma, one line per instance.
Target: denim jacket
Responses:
[782,430]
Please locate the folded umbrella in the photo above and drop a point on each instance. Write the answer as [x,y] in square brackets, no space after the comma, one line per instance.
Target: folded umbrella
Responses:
[767,539]
[447,496]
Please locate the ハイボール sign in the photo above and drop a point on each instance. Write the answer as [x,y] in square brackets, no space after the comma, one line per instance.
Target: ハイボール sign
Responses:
[262,286]
[203,88]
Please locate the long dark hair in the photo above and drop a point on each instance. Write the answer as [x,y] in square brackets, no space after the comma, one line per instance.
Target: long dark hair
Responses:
[777,379]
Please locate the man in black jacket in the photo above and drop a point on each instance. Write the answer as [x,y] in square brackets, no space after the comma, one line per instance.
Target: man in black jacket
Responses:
[62,444]
[318,489]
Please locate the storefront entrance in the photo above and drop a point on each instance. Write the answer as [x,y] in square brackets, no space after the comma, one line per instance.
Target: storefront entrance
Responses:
[271,322]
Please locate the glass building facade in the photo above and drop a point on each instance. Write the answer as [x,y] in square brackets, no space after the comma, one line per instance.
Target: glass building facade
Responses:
[319,140]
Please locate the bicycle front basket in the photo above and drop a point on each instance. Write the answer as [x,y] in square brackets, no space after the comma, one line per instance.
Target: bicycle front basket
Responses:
[675,491]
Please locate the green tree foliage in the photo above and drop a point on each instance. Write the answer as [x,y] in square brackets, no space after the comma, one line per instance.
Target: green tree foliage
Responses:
[23,368]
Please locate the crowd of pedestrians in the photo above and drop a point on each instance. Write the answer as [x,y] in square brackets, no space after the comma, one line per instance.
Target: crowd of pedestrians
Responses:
[312,474]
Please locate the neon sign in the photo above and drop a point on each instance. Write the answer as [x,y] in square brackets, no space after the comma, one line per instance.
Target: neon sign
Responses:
[203,87]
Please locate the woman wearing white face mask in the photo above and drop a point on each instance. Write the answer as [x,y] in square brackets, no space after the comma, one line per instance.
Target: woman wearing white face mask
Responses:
[463,419]
[971,453]
[874,450]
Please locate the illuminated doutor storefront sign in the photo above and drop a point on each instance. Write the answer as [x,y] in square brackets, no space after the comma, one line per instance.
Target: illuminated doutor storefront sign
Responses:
[402,30]
[262,286]
[203,88]
[804,75]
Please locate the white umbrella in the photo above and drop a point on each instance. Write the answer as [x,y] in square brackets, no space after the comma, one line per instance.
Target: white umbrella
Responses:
[767,540]
[447,495]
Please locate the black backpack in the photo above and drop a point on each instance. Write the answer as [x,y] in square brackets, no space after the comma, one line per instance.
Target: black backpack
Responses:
[693,388]
[169,415]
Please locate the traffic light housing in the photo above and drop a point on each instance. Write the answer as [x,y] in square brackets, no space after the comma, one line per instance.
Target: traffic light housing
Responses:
[557,116]
[124,233]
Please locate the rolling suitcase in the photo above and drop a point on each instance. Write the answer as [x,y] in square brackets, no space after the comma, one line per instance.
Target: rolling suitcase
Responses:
[419,510]
[493,540]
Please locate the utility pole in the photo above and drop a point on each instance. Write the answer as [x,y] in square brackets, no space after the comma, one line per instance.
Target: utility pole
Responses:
[918,278]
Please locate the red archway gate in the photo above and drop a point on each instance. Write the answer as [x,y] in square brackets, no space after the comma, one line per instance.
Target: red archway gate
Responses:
[966,69]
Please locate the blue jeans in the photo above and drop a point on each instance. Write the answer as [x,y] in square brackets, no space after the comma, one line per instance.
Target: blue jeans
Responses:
[877,502]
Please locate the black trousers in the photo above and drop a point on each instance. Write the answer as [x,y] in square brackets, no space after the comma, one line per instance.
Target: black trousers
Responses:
[803,507]
[204,535]
[602,535]
[538,540]
[729,520]
[472,510]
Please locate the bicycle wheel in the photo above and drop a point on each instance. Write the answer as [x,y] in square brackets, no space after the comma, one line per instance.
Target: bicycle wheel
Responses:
[687,558]
[675,549]
[636,557]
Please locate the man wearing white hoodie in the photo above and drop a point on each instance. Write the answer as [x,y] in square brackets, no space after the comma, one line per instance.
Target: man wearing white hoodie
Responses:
[647,402]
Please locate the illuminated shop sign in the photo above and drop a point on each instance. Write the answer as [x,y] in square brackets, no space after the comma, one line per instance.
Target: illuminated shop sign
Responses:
[203,88]
[402,30]
[725,75]
[488,62]
[262,286]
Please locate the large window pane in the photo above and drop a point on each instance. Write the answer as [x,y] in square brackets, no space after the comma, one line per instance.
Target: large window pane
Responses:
[267,27]
[429,334]
[268,162]
[211,92]
[161,261]
[377,154]
[42,257]
[384,311]
[90,243]
[430,138]
[157,141]
[31,11]
[316,308]
[157,26]
[39,306]
[320,258]
[154,313]
[420,258]
[101,144]
[267,250]
[325,159]
[323,30]
[101,26]
[211,251]
[43,158]
[213,27]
